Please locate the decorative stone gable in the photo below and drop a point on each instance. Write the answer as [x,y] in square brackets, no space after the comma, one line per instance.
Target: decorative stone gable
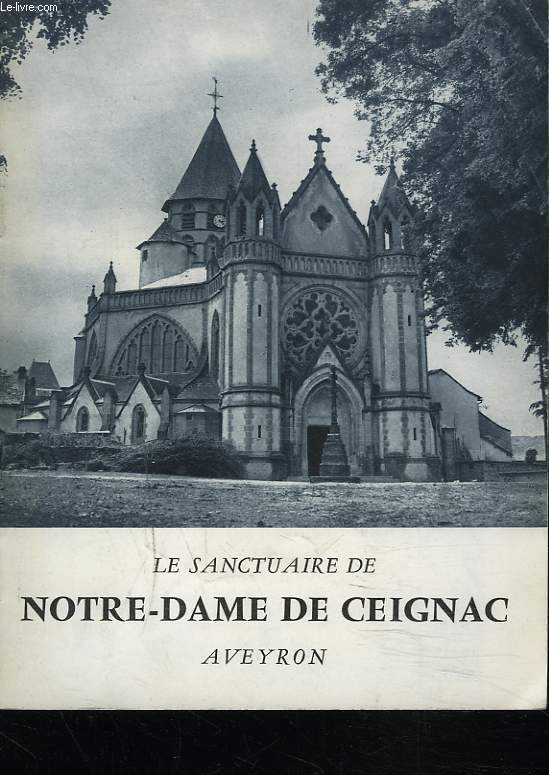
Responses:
[318,219]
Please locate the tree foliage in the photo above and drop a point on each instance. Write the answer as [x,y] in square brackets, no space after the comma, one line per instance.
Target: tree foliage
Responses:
[19,30]
[458,88]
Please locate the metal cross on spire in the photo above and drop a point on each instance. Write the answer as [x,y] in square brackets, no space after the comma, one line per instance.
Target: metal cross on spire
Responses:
[216,96]
[319,139]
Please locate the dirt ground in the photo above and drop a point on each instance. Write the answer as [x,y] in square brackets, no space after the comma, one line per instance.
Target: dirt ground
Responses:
[54,499]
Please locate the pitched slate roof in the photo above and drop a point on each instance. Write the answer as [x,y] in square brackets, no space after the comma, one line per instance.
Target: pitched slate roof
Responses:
[43,375]
[203,388]
[495,433]
[433,372]
[197,409]
[164,233]
[315,169]
[212,170]
[32,416]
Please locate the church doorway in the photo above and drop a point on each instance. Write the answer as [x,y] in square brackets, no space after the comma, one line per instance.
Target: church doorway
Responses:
[316,436]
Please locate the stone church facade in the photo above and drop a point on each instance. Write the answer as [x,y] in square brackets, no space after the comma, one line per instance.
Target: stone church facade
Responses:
[242,309]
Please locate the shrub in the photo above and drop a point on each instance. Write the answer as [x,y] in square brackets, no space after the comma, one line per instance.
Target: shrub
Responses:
[191,456]
[30,453]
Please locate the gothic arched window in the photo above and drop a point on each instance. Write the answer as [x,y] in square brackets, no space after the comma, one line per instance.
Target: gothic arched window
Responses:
[92,352]
[214,370]
[241,216]
[82,420]
[156,347]
[260,221]
[139,417]
[387,235]
[188,217]
[160,345]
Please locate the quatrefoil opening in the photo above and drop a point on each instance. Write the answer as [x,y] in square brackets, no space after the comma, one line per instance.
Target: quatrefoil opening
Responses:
[322,218]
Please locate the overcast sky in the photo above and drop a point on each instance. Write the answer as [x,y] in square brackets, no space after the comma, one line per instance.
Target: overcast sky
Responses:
[105,129]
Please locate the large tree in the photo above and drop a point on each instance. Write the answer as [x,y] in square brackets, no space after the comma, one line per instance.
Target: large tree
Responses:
[63,21]
[458,88]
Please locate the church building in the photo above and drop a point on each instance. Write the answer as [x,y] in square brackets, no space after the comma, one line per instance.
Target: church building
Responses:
[244,306]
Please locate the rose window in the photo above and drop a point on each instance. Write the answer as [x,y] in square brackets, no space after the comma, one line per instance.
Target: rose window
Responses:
[315,319]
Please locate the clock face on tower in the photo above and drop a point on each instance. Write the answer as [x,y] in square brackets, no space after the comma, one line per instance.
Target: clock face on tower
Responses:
[219,221]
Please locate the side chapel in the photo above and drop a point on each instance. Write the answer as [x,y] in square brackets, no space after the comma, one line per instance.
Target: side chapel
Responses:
[243,307]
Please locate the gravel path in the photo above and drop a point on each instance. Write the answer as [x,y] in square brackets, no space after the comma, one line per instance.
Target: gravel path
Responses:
[55,499]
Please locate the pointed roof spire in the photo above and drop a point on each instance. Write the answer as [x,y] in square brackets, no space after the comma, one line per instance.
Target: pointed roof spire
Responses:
[109,281]
[211,170]
[92,298]
[392,193]
[253,178]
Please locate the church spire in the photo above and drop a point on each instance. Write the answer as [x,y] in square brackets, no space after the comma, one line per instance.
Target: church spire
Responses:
[212,169]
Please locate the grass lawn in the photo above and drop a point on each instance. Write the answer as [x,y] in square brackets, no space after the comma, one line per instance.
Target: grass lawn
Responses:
[54,499]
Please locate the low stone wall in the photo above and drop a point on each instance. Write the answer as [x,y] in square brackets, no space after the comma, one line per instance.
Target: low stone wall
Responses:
[501,471]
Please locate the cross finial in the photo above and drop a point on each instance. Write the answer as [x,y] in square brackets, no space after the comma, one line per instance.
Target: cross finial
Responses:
[319,139]
[216,96]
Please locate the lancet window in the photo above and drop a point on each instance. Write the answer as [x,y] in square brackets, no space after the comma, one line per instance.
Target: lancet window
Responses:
[260,221]
[82,420]
[92,351]
[138,424]
[241,216]
[387,235]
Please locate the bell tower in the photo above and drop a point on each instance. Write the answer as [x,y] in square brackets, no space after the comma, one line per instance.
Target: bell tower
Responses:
[192,234]
[406,440]
[251,400]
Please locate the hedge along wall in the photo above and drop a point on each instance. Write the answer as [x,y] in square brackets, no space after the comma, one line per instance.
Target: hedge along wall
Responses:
[37,448]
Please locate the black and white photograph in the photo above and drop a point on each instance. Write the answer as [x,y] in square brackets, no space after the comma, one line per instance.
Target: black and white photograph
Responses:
[273,381]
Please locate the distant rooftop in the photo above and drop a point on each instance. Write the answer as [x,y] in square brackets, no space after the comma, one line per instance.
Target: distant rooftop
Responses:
[43,375]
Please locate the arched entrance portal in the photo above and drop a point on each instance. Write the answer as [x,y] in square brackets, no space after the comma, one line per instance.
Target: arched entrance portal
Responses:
[312,421]
[316,418]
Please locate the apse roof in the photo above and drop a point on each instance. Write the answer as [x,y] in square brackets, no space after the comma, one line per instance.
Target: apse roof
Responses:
[211,170]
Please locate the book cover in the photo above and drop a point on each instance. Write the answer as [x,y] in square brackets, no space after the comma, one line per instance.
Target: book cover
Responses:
[249,493]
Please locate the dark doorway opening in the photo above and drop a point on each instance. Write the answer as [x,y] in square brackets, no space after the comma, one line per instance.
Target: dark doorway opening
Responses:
[316,436]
